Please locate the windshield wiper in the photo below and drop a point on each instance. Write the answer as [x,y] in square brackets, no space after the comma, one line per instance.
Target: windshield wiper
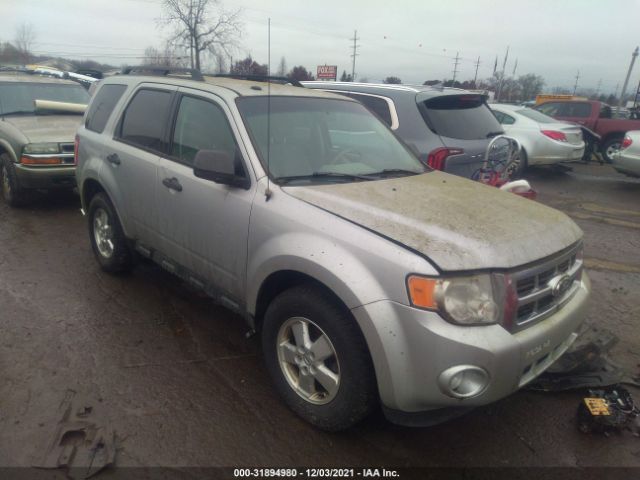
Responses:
[320,175]
[494,134]
[393,172]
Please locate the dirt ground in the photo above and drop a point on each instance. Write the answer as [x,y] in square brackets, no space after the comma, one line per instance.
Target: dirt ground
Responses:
[175,378]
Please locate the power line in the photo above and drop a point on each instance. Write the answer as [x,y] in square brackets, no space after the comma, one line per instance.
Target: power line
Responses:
[354,54]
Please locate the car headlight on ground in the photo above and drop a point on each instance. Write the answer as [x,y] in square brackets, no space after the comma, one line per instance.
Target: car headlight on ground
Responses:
[483,299]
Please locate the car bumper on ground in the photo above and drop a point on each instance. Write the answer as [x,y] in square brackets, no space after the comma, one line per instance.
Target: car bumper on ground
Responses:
[46,177]
[411,350]
[557,154]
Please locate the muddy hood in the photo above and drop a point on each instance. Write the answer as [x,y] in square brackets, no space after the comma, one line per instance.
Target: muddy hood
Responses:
[458,224]
[47,128]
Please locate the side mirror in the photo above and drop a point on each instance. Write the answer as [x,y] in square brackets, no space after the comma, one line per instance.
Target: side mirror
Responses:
[219,167]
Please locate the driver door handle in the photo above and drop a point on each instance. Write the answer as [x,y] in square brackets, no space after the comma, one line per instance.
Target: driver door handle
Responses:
[172,184]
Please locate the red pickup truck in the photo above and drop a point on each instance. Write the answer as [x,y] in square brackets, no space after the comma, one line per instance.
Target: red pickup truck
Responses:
[595,116]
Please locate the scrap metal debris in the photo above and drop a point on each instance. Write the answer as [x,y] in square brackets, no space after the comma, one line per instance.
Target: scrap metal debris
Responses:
[585,365]
[606,411]
[80,445]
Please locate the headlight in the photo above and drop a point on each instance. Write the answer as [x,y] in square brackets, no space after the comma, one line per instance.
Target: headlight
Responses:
[41,148]
[466,300]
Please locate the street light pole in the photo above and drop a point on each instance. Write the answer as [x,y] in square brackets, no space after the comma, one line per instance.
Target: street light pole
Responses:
[626,80]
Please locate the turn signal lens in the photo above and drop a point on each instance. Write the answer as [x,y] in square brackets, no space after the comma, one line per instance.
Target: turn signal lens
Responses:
[40,160]
[421,292]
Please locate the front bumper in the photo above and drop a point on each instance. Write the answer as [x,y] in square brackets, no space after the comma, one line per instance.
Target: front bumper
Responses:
[46,177]
[410,348]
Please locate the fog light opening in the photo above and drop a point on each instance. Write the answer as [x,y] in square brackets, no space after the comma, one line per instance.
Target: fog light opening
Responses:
[463,381]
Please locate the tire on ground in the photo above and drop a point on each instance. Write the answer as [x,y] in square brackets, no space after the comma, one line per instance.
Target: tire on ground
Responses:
[121,258]
[608,145]
[357,394]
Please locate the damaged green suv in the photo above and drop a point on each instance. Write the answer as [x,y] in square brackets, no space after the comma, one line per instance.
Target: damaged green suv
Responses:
[38,119]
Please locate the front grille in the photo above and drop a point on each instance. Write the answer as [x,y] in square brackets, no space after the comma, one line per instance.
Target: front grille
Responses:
[545,287]
[67,147]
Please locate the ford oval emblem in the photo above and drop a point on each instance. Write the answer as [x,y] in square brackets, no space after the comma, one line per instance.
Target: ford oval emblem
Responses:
[560,285]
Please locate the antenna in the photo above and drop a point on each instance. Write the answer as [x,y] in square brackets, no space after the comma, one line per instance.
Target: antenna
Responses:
[267,192]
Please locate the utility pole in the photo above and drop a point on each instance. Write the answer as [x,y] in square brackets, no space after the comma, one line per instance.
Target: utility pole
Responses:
[635,100]
[475,78]
[575,86]
[626,80]
[354,54]
[598,87]
[456,61]
[514,68]
[504,65]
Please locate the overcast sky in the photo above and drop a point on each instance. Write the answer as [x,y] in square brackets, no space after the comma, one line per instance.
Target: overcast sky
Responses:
[415,40]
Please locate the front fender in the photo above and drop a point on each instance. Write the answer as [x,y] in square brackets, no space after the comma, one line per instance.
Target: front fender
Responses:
[320,258]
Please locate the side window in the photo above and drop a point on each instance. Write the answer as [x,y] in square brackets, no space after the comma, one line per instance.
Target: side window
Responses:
[201,125]
[102,105]
[549,108]
[576,109]
[375,104]
[507,119]
[605,111]
[145,118]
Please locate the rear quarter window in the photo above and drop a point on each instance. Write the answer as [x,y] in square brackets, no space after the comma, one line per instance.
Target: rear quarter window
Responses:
[464,117]
[102,106]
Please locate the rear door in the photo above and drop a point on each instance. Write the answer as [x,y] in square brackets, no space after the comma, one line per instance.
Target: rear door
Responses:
[203,224]
[463,122]
[131,160]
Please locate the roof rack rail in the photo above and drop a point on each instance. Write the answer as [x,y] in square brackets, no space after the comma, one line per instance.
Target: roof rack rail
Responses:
[259,78]
[163,71]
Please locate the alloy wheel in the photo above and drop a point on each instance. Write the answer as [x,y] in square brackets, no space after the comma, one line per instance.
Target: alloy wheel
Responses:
[103,233]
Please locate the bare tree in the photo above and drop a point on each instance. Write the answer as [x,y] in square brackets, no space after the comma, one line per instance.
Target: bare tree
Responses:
[25,38]
[169,57]
[202,26]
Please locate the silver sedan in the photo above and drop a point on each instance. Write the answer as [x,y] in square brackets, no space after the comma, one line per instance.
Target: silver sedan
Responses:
[627,159]
[544,140]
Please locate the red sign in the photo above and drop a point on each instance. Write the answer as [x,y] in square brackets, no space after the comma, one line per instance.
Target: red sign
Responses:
[327,72]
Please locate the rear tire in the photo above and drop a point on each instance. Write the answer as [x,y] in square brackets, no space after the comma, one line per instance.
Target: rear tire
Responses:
[519,169]
[13,194]
[109,244]
[326,376]
[610,147]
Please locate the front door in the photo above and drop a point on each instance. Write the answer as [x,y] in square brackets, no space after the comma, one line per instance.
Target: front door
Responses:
[204,225]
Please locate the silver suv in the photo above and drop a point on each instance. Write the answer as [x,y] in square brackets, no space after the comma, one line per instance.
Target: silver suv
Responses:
[372,279]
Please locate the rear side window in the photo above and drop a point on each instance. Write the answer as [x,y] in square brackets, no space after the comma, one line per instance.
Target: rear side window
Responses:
[144,121]
[102,106]
[465,117]
[376,104]
[537,116]
[201,125]
[576,109]
[503,118]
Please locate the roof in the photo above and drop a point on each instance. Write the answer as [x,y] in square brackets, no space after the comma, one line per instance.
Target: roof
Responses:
[424,90]
[244,88]
[25,77]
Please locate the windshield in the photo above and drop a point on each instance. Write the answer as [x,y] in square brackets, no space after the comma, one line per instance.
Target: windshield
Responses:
[465,117]
[20,97]
[536,116]
[325,140]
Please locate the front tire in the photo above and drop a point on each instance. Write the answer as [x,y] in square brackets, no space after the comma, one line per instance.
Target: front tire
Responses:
[107,237]
[318,359]
[13,194]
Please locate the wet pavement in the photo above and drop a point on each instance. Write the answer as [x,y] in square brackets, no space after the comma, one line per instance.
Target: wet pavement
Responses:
[176,379]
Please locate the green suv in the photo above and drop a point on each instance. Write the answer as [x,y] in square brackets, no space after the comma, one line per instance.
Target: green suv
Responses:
[39,117]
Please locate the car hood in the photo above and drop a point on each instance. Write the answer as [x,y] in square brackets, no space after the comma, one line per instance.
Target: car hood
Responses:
[458,224]
[47,128]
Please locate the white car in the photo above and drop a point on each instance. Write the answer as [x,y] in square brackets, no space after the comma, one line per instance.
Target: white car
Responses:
[544,140]
[627,159]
